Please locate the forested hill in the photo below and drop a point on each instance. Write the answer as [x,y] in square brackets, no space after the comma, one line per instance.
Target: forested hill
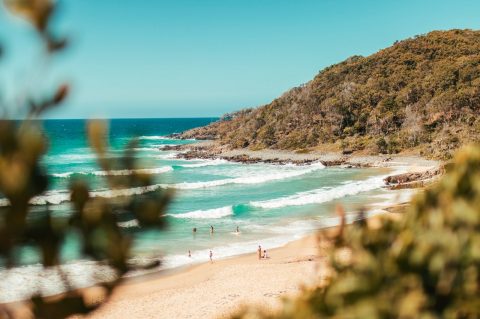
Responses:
[422,93]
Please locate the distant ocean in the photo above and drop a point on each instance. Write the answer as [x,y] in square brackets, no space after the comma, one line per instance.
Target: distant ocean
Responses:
[271,204]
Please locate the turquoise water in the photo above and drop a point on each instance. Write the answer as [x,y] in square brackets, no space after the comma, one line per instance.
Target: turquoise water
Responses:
[271,204]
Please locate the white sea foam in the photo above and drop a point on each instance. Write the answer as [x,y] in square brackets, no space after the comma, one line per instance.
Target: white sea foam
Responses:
[126,191]
[51,197]
[71,157]
[206,163]
[322,195]
[154,137]
[58,198]
[204,214]
[147,149]
[20,282]
[255,179]
[303,198]
[35,278]
[233,249]
[158,170]
[169,156]
[172,155]
[128,224]
[63,175]
[62,196]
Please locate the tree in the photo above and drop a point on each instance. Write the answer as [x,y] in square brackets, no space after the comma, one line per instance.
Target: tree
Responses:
[426,264]
[22,145]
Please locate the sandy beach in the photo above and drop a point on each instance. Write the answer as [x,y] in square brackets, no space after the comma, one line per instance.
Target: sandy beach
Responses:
[216,290]
[224,287]
[220,288]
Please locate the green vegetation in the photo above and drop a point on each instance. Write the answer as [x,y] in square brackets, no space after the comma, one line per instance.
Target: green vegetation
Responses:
[420,93]
[424,265]
[94,219]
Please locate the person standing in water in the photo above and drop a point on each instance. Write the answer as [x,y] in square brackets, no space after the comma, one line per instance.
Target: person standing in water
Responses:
[189,254]
[211,256]
[259,252]
[211,230]
[238,230]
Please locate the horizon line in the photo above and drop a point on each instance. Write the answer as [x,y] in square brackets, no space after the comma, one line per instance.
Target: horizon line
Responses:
[121,118]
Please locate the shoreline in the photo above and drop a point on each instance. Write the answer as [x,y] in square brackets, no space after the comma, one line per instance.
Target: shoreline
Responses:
[227,285]
[420,171]
[211,150]
[171,289]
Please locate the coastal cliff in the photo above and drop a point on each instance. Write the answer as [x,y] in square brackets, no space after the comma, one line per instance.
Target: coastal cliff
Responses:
[422,93]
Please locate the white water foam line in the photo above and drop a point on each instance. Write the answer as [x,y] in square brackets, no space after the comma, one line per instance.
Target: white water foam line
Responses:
[162,137]
[214,213]
[256,179]
[322,195]
[205,163]
[34,278]
[158,170]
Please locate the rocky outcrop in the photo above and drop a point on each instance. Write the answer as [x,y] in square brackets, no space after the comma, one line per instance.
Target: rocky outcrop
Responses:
[422,93]
[414,179]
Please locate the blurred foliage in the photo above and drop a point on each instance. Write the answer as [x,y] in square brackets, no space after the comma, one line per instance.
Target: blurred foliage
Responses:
[22,145]
[422,92]
[426,264]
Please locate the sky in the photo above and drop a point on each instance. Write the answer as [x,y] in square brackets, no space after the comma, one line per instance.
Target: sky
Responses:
[204,58]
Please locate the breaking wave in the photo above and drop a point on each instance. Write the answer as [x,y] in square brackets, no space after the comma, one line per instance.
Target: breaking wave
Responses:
[158,170]
[205,163]
[128,224]
[204,214]
[59,197]
[154,137]
[256,179]
[322,195]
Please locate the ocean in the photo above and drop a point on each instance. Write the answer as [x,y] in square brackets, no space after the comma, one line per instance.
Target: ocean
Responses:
[271,204]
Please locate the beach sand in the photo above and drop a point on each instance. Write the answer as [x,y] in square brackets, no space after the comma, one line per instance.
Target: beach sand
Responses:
[216,290]
[219,289]
[224,287]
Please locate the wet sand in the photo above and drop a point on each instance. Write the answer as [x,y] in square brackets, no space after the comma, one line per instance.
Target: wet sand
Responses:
[215,290]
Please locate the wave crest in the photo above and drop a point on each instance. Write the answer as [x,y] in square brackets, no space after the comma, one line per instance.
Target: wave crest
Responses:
[158,170]
[322,195]
[205,163]
[257,179]
[59,197]
[204,214]
[153,137]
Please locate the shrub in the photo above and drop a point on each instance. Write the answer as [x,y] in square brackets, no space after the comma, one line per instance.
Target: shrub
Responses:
[424,265]
[22,177]
[382,145]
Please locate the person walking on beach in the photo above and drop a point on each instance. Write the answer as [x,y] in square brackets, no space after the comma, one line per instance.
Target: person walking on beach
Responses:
[189,254]
[265,256]
[211,256]
[259,252]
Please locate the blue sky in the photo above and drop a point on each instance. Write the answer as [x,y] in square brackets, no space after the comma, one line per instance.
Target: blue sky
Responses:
[154,58]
